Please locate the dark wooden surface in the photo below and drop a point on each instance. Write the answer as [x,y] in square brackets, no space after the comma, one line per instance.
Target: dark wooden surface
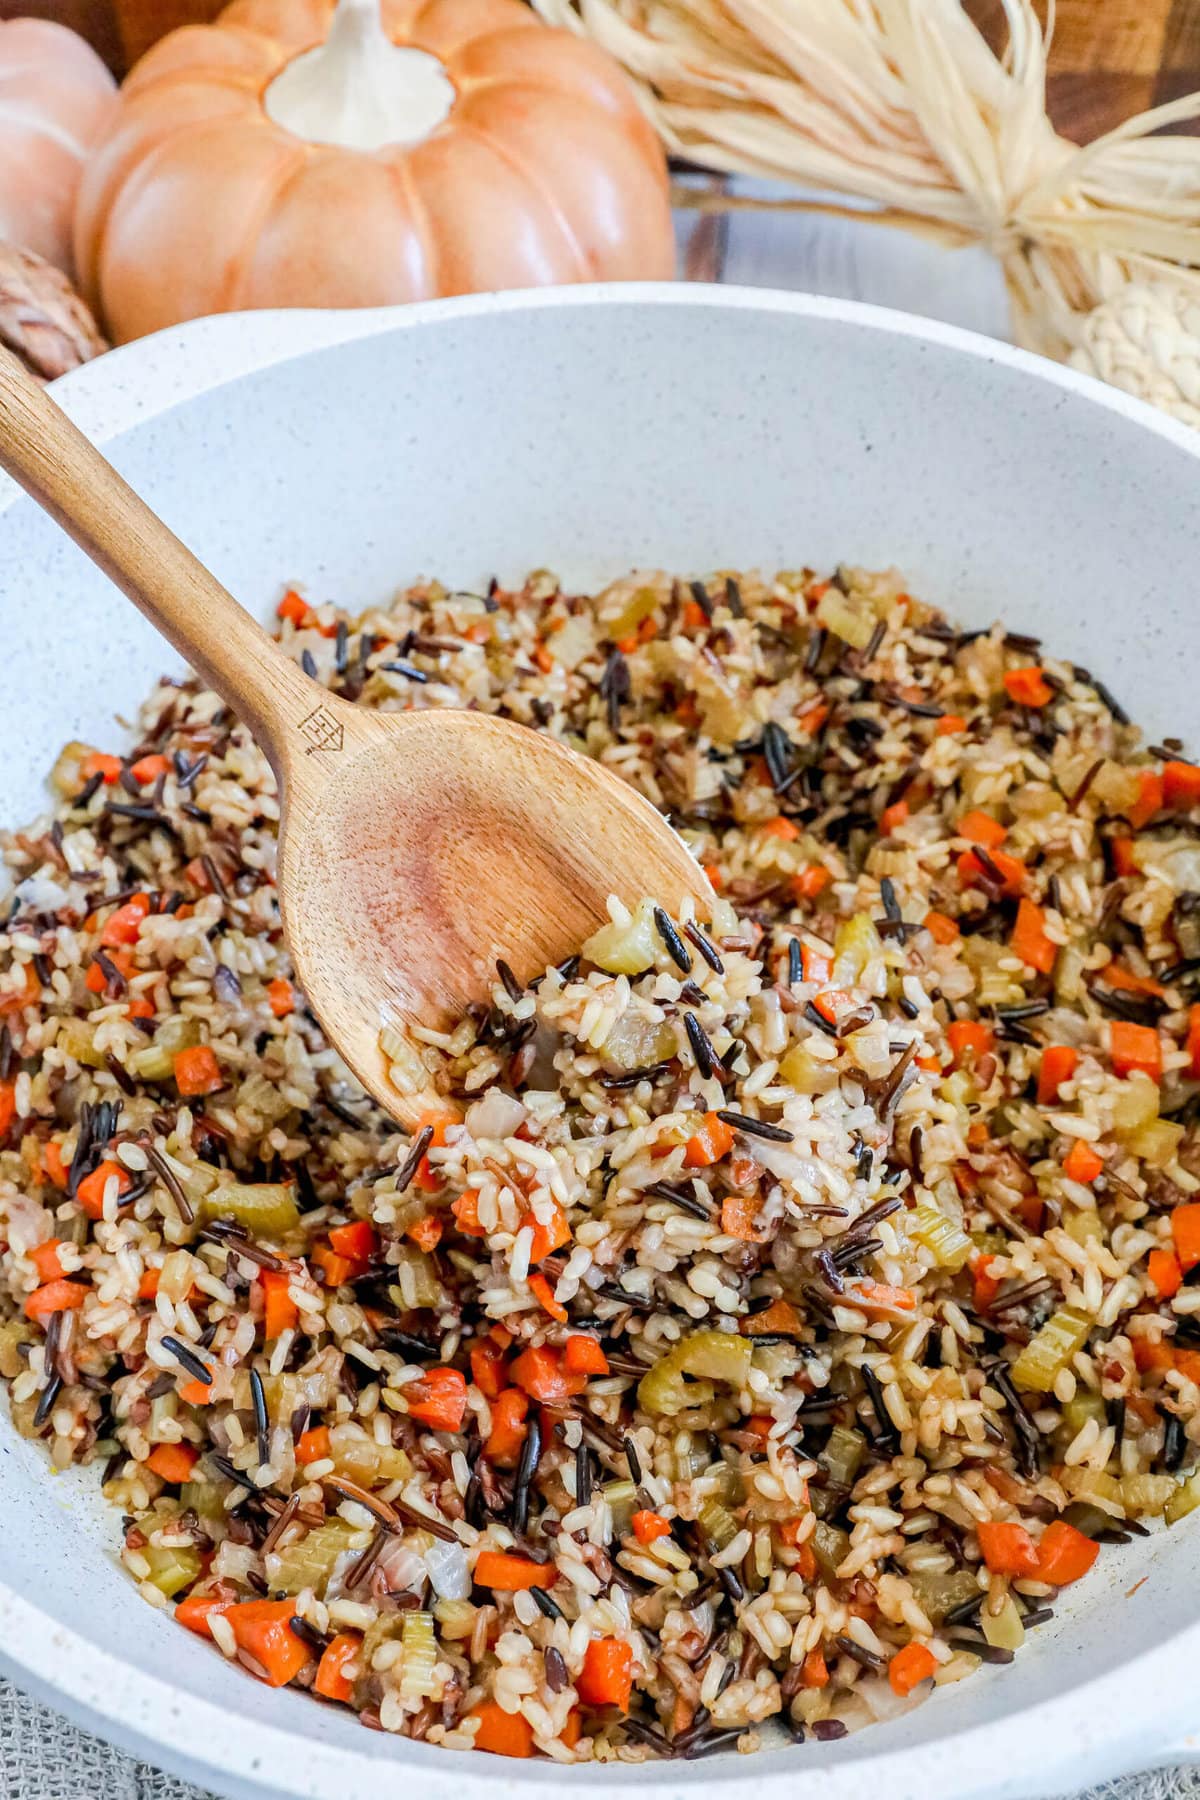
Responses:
[1110,58]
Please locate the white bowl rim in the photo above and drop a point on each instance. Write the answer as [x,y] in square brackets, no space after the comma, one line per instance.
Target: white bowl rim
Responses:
[1140,1712]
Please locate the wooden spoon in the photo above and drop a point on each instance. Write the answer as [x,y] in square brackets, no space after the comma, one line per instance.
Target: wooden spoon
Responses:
[415,848]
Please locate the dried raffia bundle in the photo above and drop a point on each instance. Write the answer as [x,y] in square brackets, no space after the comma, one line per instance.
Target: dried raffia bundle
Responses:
[42,318]
[904,103]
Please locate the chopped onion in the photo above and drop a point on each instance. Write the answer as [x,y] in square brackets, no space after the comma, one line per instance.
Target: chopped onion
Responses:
[447,1567]
[497,1115]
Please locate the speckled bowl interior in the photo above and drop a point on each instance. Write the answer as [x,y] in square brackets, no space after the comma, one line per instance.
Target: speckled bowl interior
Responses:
[594,430]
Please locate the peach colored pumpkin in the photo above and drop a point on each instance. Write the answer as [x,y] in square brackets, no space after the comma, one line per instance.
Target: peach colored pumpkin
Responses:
[55,96]
[200,200]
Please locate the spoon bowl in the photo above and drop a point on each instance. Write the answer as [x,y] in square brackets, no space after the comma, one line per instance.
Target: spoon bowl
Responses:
[416,848]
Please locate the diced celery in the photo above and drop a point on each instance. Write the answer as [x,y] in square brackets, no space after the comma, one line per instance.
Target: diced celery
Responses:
[638,605]
[807,1073]
[626,949]
[1094,1487]
[12,1333]
[77,1038]
[708,1355]
[265,1208]
[1135,1104]
[171,1569]
[1068,974]
[309,1563]
[843,1454]
[365,1461]
[204,1499]
[856,945]
[1084,1226]
[1003,1630]
[1147,1496]
[941,1235]
[1086,1404]
[383,1630]
[636,1042]
[1039,1363]
[995,985]
[717,1524]
[1156,1143]
[1184,1500]
[156,1062]
[939,1594]
[831,1546]
[420,1651]
[419,1279]
[621,1499]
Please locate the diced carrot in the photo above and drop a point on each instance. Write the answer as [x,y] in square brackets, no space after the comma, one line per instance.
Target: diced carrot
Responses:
[910,1667]
[426,1233]
[814,1670]
[195,1610]
[813,717]
[1122,856]
[263,1629]
[739,1215]
[969,1039]
[90,1192]
[815,964]
[1058,1064]
[1193,1042]
[1135,1048]
[540,1371]
[1181,785]
[487,1368]
[1064,1554]
[1028,687]
[507,1573]
[606,1678]
[466,1213]
[649,1526]
[280,1313]
[949,725]
[1030,940]
[543,658]
[196,1393]
[1116,975]
[332,1680]
[543,1293]
[55,1297]
[715,878]
[1149,800]
[141,1008]
[281,998]
[45,1260]
[931,1064]
[758,1425]
[197,1071]
[711,1142]
[313,1445]
[98,763]
[570,1733]
[892,817]
[1007,1547]
[503,1733]
[780,828]
[438,1399]
[582,1355]
[147,769]
[148,1285]
[980,828]
[780,1319]
[871,1294]
[52,1162]
[123,926]
[508,1428]
[173,1462]
[941,928]
[356,1240]
[547,1238]
[293,608]
[986,1285]
[810,882]
[694,616]
[1165,1273]
[1185,1230]
[1009,875]
[627,645]
[335,1270]
[1081,1162]
[96,981]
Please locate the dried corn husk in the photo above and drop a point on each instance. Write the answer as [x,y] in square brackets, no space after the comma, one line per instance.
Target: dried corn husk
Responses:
[42,318]
[903,103]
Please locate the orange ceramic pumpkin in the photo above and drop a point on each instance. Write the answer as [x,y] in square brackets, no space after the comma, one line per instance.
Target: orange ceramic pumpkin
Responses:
[55,95]
[289,155]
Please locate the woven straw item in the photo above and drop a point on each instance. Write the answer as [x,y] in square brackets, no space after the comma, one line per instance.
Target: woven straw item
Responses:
[902,103]
[1146,339]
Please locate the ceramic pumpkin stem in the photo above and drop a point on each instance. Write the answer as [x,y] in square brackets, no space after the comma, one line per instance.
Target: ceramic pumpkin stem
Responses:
[358,89]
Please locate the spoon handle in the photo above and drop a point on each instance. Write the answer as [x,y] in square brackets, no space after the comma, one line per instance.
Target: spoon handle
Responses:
[53,461]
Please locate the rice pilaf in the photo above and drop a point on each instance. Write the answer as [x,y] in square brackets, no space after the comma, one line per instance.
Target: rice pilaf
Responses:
[783,1307]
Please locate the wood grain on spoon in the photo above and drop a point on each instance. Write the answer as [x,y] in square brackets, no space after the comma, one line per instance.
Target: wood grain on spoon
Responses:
[415,848]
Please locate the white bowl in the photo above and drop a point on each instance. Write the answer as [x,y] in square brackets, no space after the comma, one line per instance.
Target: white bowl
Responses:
[591,430]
